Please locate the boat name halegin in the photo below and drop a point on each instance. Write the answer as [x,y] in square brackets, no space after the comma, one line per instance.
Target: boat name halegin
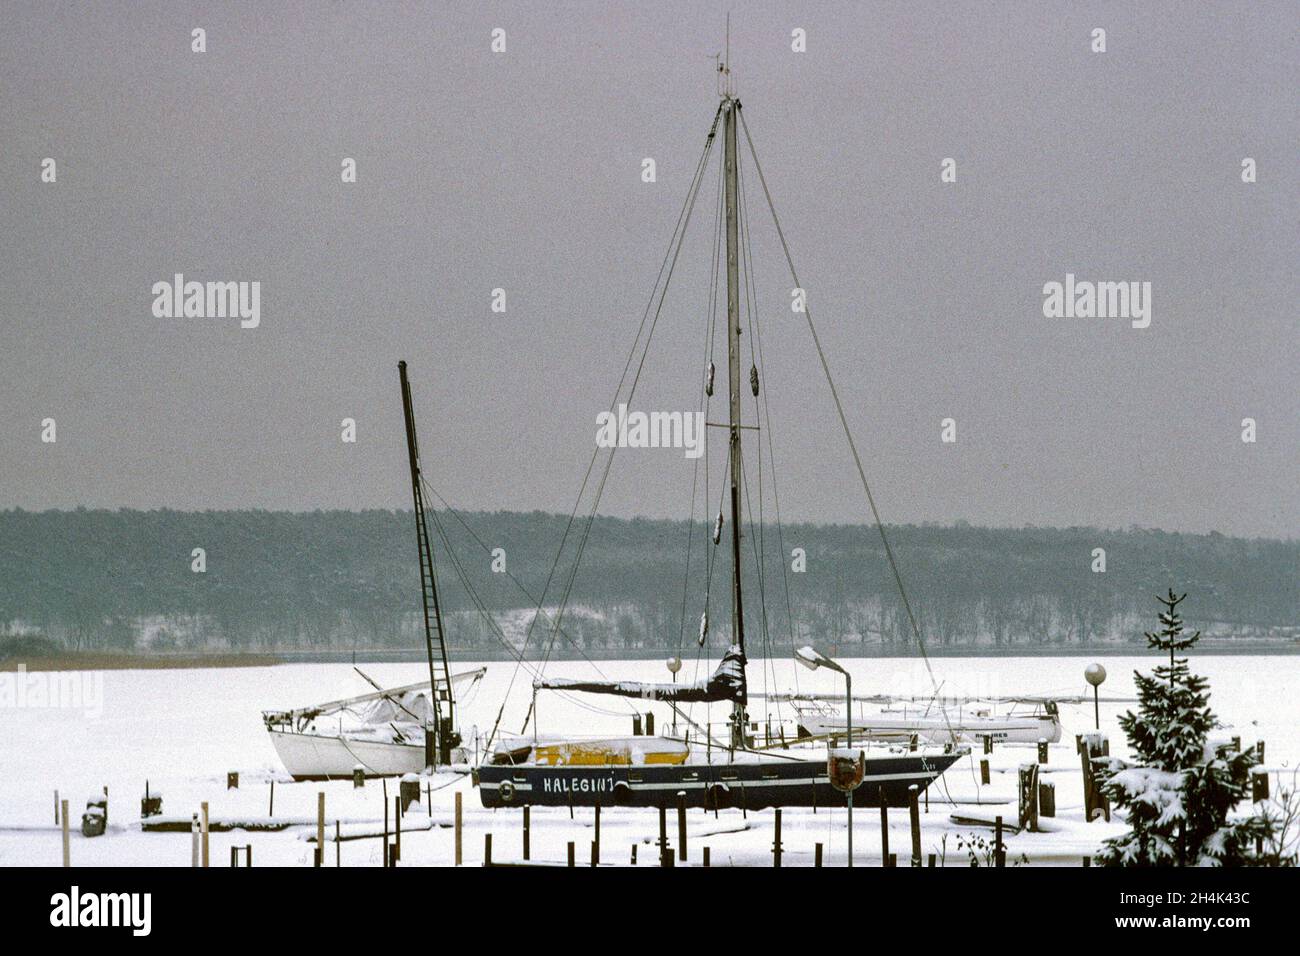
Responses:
[208,300]
[651,430]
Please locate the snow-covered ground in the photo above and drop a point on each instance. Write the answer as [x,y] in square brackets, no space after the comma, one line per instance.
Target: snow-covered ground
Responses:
[184,730]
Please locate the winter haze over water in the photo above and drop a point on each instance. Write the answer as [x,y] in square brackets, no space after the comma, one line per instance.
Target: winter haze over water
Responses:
[521,171]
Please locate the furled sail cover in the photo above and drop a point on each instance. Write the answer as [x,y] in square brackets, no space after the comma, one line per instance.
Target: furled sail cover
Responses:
[725,683]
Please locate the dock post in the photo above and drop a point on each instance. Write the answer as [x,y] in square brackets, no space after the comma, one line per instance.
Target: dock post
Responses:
[914,813]
[570,853]
[776,841]
[397,828]
[56,808]
[634,854]
[270,810]
[999,851]
[63,818]
[232,780]
[1259,752]
[706,856]
[934,858]
[338,847]
[988,743]
[681,825]
[1047,799]
[458,829]
[1087,861]
[595,854]
[528,835]
[194,839]
[817,854]
[1258,786]
[234,856]
[203,807]
[358,777]
[984,771]
[663,831]
[884,830]
[1042,750]
[487,849]
[385,844]
[595,846]
[320,827]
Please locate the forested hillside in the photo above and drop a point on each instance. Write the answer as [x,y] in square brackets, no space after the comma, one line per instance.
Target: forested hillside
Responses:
[109,580]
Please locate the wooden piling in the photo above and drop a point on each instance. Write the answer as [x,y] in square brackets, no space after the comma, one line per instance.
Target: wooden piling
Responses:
[194,840]
[358,777]
[934,859]
[663,830]
[634,854]
[1087,861]
[320,827]
[817,854]
[681,825]
[56,808]
[458,828]
[984,771]
[232,780]
[487,849]
[571,853]
[1258,786]
[776,840]
[1259,752]
[203,832]
[988,743]
[595,855]
[596,843]
[1042,750]
[1047,799]
[914,813]
[999,850]
[884,830]
[63,821]
[706,856]
[528,833]
[270,810]
[397,827]
[338,846]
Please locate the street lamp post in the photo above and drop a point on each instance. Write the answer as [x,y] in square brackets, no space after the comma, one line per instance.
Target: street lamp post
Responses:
[1094,674]
[674,665]
[812,659]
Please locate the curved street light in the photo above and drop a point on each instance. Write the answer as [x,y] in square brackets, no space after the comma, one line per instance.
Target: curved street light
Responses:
[813,659]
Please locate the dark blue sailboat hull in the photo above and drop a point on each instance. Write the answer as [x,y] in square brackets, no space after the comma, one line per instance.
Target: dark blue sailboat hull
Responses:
[752,786]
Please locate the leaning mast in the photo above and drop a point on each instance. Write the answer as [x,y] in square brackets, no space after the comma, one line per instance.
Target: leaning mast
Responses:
[444,738]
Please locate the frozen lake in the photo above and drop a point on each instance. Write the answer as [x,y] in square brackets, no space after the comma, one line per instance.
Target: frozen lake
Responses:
[184,730]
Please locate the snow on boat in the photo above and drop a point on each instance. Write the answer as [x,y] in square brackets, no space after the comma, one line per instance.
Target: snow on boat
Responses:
[383,732]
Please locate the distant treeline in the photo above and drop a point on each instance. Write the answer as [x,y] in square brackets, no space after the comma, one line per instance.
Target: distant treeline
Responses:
[120,580]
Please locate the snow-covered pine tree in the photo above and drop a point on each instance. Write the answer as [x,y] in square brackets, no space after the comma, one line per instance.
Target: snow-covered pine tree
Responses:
[1178,793]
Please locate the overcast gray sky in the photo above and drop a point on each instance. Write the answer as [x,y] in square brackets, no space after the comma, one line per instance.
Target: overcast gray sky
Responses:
[522,170]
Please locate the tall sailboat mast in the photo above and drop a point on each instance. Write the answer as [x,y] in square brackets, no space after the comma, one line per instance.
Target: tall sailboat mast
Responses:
[438,744]
[731,190]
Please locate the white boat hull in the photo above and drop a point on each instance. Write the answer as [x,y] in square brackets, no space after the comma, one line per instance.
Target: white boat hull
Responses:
[313,757]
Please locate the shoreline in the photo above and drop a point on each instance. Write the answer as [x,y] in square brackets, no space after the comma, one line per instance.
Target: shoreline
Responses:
[101,661]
